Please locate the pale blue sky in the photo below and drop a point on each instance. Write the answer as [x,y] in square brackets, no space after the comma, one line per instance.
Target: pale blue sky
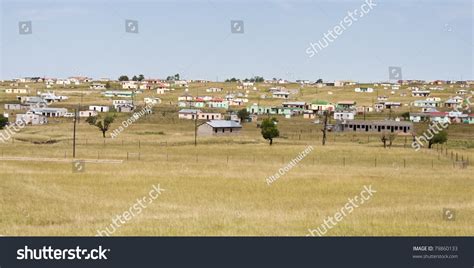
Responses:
[428,39]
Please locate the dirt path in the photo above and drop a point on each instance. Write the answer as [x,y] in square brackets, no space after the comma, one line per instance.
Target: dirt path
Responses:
[98,161]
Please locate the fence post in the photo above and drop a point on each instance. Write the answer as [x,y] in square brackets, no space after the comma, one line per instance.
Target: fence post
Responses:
[344,161]
[375,161]
[227,159]
[127,155]
[139,144]
[404,163]
[432,164]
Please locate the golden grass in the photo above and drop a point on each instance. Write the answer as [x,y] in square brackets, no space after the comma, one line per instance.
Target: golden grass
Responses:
[219,187]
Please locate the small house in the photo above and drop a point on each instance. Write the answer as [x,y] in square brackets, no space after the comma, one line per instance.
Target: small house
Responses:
[281,95]
[219,128]
[364,90]
[99,108]
[344,115]
[87,113]
[30,118]
[375,126]
[97,86]
[50,112]
[124,108]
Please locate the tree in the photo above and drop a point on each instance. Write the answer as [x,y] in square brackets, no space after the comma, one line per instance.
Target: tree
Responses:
[406,115]
[320,81]
[243,114]
[384,139]
[269,129]
[438,138]
[123,78]
[134,78]
[141,77]
[176,77]
[391,138]
[107,85]
[3,121]
[103,125]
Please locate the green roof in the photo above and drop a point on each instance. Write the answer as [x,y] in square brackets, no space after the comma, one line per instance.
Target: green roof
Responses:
[320,102]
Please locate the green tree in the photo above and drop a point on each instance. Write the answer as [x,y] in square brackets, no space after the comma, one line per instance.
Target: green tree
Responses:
[243,114]
[3,121]
[320,81]
[123,78]
[141,77]
[405,115]
[107,85]
[103,125]
[134,78]
[438,138]
[270,129]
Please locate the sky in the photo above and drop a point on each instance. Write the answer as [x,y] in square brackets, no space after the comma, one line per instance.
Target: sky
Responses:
[428,39]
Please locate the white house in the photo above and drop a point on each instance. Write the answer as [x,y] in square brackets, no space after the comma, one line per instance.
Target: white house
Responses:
[281,95]
[129,85]
[152,101]
[214,89]
[420,93]
[344,115]
[121,102]
[87,113]
[364,89]
[462,92]
[51,97]
[97,86]
[30,118]
[17,91]
[50,112]
[99,108]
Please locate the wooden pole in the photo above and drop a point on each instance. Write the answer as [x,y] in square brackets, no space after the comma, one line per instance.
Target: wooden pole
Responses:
[74,135]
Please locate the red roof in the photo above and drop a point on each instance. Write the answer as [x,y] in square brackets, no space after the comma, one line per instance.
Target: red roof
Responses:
[437,113]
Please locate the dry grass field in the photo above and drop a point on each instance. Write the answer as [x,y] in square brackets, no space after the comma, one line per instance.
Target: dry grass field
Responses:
[219,186]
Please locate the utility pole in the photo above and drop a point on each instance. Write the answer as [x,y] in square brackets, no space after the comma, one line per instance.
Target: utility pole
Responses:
[195,129]
[324,130]
[74,136]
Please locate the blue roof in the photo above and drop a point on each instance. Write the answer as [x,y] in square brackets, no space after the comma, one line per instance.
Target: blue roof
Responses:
[224,123]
